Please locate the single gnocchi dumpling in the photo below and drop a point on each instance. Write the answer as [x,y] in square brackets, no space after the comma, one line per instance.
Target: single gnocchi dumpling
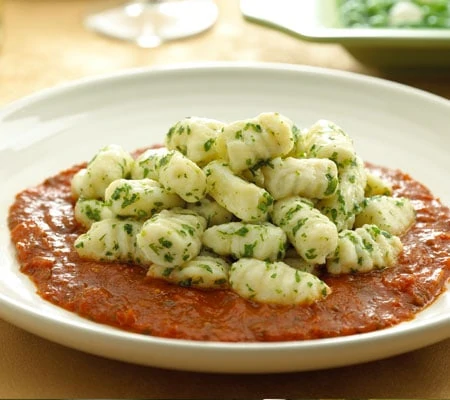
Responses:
[263,241]
[89,211]
[376,186]
[246,144]
[195,138]
[275,282]
[312,234]
[171,237]
[182,176]
[345,203]
[364,249]
[111,239]
[204,272]
[212,211]
[245,200]
[147,164]
[175,172]
[325,139]
[392,214]
[110,163]
[313,178]
[139,198]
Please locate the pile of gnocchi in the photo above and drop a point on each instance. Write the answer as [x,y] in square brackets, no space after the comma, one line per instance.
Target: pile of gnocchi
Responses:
[256,206]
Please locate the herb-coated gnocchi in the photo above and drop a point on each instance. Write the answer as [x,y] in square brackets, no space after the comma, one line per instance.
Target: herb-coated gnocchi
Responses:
[313,178]
[364,249]
[246,144]
[256,206]
[111,239]
[275,282]
[206,272]
[171,238]
[393,214]
[88,211]
[175,172]
[110,163]
[195,138]
[139,198]
[263,241]
[245,200]
[345,203]
[312,234]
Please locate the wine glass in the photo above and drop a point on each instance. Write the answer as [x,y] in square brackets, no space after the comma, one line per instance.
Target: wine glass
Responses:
[149,23]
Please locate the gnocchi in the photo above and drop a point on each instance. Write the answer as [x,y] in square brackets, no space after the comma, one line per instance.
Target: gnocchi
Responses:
[256,206]
[110,163]
[205,272]
[195,138]
[111,239]
[175,172]
[245,144]
[263,241]
[392,214]
[245,200]
[308,177]
[89,211]
[364,249]
[275,282]
[171,237]
[139,198]
[312,234]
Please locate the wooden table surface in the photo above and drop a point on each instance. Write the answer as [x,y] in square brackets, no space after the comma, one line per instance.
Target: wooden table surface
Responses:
[44,44]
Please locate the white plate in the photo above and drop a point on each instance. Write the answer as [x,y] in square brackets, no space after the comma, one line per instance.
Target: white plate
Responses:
[393,125]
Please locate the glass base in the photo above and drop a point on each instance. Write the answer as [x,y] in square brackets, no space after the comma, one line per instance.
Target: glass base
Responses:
[148,24]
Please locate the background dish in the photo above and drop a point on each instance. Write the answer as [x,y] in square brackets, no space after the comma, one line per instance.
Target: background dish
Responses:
[136,108]
[318,21]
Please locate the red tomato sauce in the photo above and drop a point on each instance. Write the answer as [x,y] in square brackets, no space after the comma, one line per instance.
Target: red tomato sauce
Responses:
[43,229]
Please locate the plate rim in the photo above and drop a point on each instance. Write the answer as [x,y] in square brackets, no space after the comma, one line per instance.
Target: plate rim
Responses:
[130,73]
[440,322]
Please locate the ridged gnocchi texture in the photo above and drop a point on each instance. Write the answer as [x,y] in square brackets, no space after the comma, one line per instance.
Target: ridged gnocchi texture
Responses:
[89,211]
[284,205]
[175,172]
[246,144]
[263,241]
[205,272]
[307,177]
[195,138]
[148,163]
[312,234]
[111,239]
[275,282]
[245,200]
[364,249]
[110,163]
[325,139]
[345,203]
[139,198]
[171,237]
[392,214]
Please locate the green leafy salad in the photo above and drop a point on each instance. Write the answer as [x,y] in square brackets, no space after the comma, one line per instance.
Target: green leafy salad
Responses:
[395,13]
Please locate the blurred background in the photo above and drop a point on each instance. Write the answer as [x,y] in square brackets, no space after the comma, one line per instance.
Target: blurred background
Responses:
[48,42]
